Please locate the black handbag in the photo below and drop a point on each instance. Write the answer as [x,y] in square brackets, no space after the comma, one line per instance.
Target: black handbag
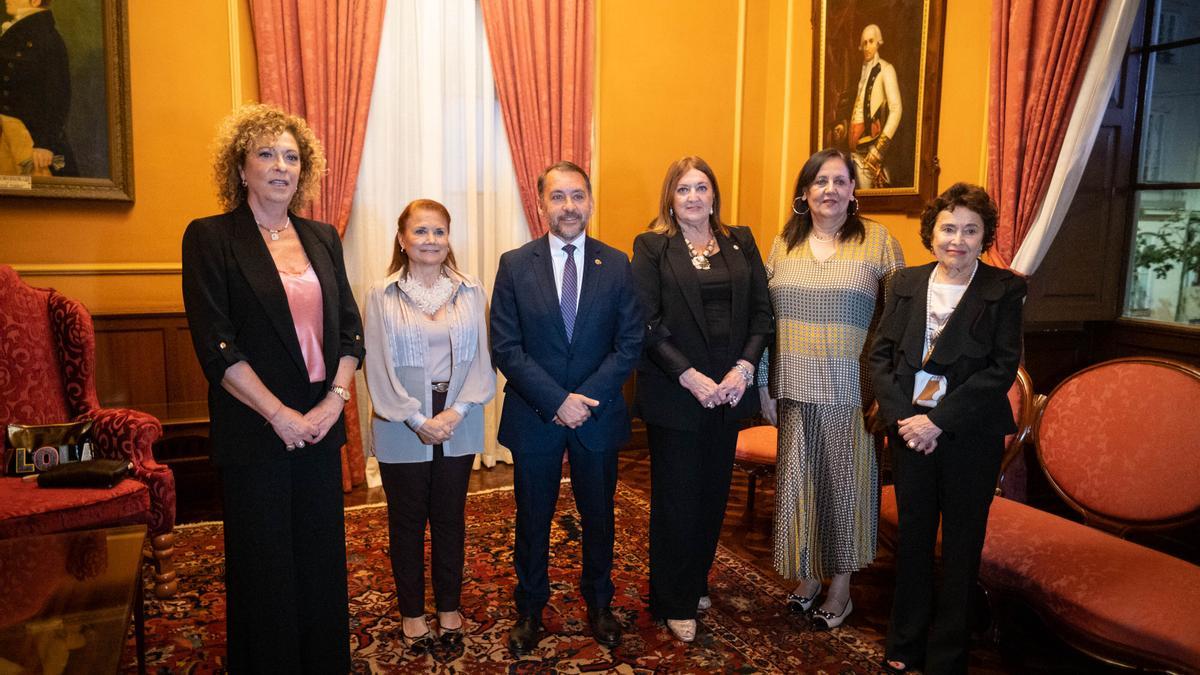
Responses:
[95,473]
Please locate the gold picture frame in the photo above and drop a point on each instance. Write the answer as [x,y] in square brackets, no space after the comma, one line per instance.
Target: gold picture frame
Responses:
[867,55]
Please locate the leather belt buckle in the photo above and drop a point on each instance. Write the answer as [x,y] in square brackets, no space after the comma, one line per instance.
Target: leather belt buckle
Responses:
[440,387]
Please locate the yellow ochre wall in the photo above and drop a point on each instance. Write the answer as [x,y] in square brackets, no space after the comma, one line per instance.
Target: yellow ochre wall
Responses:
[730,80]
[669,73]
[182,62]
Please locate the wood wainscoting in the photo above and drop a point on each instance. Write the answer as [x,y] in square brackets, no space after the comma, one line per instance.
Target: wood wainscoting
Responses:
[146,362]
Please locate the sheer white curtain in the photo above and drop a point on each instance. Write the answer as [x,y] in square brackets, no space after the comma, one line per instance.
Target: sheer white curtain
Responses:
[435,131]
[1104,64]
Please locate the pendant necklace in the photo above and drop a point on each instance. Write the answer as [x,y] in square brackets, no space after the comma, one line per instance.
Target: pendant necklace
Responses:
[700,260]
[275,233]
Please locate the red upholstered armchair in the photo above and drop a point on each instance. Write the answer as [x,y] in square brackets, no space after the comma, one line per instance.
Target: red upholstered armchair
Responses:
[47,364]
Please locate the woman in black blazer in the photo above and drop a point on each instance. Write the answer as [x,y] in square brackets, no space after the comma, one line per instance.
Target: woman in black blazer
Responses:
[945,355]
[708,317]
[278,336]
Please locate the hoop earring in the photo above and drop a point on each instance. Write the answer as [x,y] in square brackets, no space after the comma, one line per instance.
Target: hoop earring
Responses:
[797,211]
[853,208]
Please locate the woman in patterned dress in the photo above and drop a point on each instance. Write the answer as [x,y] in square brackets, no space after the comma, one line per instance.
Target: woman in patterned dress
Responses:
[827,270]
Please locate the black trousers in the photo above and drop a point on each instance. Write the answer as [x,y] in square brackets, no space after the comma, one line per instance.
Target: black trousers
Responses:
[433,492]
[285,566]
[690,473]
[536,479]
[955,483]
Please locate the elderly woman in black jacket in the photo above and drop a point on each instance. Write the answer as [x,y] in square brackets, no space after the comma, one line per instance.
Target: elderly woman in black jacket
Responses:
[945,354]
[708,317]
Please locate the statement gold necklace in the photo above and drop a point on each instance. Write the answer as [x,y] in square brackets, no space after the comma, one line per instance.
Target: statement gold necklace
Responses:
[700,260]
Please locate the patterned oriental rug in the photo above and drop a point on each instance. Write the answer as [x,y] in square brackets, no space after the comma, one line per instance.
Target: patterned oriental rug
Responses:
[747,630]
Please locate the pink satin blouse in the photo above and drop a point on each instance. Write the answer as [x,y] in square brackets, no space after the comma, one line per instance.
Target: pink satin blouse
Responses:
[305,301]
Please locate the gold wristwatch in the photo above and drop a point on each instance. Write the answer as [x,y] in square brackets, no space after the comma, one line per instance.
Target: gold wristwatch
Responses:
[341,391]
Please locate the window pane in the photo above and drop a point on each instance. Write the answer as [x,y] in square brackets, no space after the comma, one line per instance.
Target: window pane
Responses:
[1175,20]
[1171,127]
[1164,279]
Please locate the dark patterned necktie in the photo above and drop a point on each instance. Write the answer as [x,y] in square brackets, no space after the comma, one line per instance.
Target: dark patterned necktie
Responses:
[567,299]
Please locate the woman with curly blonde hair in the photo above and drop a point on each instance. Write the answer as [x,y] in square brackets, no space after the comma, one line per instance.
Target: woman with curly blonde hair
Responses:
[278,336]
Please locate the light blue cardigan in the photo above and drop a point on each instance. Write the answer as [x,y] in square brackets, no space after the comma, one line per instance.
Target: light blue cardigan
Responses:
[399,384]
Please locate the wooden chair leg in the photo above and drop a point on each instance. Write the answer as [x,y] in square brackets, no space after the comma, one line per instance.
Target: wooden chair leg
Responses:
[751,483]
[139,625]
[165,584]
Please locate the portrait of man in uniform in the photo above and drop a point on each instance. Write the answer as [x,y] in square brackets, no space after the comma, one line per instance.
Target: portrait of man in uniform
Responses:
[876,91]
[869,123]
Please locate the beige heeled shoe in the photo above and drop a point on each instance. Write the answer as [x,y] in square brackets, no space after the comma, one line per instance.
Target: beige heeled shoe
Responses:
[683,629]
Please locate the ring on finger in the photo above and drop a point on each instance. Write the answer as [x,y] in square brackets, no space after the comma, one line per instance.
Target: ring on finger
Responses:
[299,444]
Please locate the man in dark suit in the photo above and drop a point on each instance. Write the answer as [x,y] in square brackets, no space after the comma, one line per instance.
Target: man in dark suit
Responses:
[35,82]
[566,331]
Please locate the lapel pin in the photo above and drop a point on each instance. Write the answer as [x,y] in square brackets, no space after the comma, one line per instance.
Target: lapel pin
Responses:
[597,261]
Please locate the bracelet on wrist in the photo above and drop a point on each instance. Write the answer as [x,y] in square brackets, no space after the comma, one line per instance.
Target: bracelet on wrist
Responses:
[745,372]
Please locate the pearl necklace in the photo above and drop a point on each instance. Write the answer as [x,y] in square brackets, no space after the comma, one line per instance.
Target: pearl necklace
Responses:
[275,233]
[429,299]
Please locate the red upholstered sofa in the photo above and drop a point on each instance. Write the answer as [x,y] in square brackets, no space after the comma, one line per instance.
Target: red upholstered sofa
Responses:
[47,362]
[1119,442]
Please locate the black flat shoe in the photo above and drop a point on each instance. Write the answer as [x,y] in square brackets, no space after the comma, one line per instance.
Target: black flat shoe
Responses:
[525,634]
[419,645]
[451,637]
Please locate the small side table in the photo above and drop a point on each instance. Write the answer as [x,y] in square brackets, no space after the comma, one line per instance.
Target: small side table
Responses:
[68,598]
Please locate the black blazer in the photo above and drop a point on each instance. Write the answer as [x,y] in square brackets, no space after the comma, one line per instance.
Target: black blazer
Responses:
[979,351]
[529,345]
[676,333]
[237,310]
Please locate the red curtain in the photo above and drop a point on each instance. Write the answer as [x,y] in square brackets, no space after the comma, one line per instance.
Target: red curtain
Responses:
[542,59]
[316,59]
[1039,55]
